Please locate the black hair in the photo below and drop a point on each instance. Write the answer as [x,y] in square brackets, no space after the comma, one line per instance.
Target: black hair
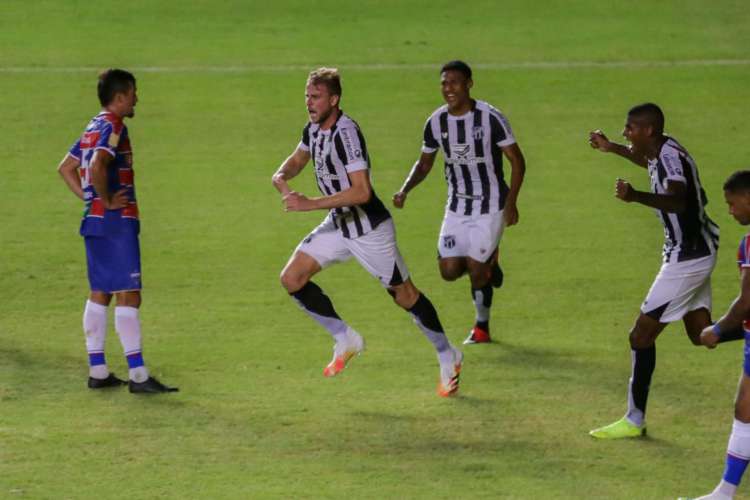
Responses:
[112,82]
[459,66]
[738,181]
[651,114]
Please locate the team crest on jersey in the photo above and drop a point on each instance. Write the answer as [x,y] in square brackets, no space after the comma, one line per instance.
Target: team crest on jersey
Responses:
[449,241]
[478,133]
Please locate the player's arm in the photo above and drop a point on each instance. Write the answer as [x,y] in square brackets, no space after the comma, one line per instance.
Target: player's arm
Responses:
[360,192]
[99,166]
[517,171]
[737,313]
[417,174]
[599,141]
[289,169]
[674,200]
[68,170]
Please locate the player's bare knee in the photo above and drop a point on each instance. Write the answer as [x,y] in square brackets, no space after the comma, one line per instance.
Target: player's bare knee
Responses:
[291,281]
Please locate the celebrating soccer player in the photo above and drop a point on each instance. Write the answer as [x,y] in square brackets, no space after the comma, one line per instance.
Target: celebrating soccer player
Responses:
[682,289]
[99,170]
[357,225]
[474,136]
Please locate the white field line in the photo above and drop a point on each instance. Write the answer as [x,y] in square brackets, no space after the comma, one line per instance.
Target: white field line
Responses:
[544,65]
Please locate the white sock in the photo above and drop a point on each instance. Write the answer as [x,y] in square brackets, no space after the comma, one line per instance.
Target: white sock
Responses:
[128,327]
[95,330]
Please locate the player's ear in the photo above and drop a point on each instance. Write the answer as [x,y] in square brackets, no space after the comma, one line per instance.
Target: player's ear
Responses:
[469,83]
[335,100]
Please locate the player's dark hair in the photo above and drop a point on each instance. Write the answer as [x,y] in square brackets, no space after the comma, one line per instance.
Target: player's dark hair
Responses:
[649,113]
[459,66]
[113,82]
[326,76]
[738,181]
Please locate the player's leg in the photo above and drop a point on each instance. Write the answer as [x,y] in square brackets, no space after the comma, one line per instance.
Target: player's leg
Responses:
[95,316]
[426,318]
[699,318]
[124,281]
[323,247]
[738,448]
[484,234]
[643,355]
[451,251]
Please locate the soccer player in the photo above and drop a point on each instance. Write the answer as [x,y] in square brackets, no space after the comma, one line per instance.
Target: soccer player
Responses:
[737,196]
[682,289]
[99,170]
[474,136]
[357,225]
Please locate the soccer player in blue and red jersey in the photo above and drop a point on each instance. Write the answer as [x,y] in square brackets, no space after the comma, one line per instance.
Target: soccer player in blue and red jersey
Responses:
[737,196]
[99,170]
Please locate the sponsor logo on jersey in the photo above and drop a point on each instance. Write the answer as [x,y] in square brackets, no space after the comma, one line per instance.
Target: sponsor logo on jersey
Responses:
[461,151]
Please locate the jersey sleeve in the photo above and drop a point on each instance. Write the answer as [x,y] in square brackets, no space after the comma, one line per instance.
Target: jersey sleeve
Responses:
[743,253]
[670,159]
[500,131]
[429,143]
[75,150]
[304,143]
[351,149]
[108,139]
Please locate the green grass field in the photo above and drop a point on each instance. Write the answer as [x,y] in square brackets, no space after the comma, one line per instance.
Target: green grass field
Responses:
[221,105]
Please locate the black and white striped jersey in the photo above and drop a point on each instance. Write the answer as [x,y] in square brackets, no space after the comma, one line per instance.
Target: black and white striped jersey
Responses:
[336,152]
[473,159]
[690,234]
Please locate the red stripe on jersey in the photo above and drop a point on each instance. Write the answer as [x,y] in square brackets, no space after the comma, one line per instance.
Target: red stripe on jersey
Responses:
[131,210]
[124,146]
[97,208]
[126,176]
[89,139]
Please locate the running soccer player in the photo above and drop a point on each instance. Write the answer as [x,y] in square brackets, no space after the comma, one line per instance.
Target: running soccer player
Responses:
[99,170]
[737,196]
[682,289]
[474,136]
[357,225]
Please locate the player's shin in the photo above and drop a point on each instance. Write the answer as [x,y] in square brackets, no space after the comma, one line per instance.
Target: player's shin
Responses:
[319,307]
[128,327]
[738,455]
[482,298]
[426,318]
[95,329]
[644,362]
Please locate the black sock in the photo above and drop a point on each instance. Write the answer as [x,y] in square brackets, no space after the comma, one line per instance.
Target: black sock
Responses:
[312,298]
[644,363]
[426,313]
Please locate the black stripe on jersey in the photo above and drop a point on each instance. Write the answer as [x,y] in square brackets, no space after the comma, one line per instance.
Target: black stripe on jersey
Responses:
[339,145]
[357,223]
[497,131]
[469,189]
[485,180]
[444,134]
[478,143]
[693,242]
[461,131]
[450,176]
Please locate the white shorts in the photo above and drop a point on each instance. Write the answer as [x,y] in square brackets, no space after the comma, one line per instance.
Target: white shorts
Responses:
[376,251]
[470,236]
[679,288]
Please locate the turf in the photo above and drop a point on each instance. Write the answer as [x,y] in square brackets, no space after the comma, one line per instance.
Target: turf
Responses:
[221,87]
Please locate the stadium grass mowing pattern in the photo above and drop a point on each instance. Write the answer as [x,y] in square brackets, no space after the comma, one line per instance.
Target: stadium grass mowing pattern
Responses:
[255,418]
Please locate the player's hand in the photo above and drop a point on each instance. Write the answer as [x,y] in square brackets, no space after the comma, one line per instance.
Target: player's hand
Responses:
[510,214]
[709,337]
[624,190]
[296,202]
[599,141]
[118,200]
[399,199]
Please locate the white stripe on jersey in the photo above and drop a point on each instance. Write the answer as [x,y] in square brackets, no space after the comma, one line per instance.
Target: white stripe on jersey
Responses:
[471,147]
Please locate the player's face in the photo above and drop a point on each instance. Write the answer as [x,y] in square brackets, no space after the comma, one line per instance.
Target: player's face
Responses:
[455,88]
[320,103]
[128,102]
[636,133]
[739,206]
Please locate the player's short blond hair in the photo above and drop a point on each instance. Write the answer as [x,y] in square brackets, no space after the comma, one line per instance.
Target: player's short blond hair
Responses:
[326,76]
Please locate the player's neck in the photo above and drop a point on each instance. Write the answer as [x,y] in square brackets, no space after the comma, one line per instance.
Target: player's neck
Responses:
[113,111]
[462,108]
[654,147]
[331,120]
